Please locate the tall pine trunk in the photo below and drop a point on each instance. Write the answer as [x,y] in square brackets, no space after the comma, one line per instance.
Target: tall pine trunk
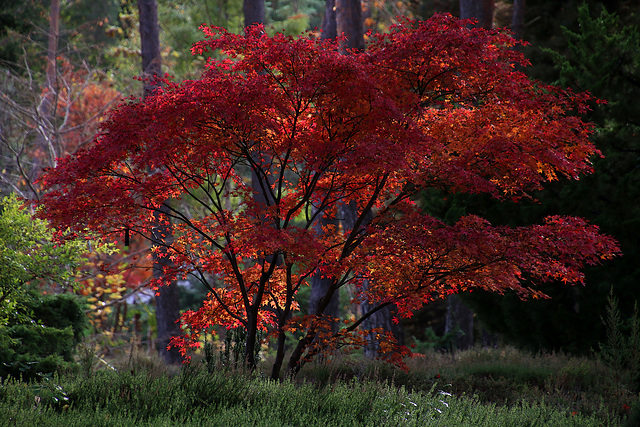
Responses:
[254,13]
[280,346]
[348,15]
[349,23]
[380,319]
[482,10]
[340,17]
[460,318]
[320,285]
[459,322]
[329,30]
[167,297]
[517,19]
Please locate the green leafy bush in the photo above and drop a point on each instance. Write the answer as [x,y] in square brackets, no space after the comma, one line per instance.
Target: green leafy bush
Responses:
[45,345]
[38,334]
[28,256]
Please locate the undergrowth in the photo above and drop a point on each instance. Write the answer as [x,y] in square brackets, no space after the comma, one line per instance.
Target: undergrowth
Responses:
[474,388]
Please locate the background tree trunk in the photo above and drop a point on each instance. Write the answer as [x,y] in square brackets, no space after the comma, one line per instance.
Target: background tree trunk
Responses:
[482,10]
[329,30]
[348,15]
[167,297]
[253,11]
[320,286]
[381,318]
[517,19]
[459,317]
[150,43]
[349,23]
[459,321]
[344,17]
[340,16]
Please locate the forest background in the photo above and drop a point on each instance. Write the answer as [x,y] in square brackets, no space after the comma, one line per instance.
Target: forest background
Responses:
[98,55]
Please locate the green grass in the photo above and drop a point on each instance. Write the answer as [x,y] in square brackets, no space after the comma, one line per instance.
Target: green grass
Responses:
[503,377]
[475,388]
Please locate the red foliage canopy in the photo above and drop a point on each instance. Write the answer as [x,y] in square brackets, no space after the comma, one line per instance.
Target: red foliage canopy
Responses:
[431,104]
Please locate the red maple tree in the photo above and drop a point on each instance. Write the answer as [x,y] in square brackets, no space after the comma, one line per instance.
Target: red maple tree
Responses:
[430,104]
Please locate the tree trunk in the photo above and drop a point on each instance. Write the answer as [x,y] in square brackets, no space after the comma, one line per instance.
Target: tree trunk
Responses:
[459,321]
[340,16]
[167,297]
[344,17]
[251,340]
[517,19]
[381,318]
[348,14]
[320,286]
[329,30]
[280,347]
[277,364]
[294,363]
[459,316]
[253,11]
[482,10]
[150,43]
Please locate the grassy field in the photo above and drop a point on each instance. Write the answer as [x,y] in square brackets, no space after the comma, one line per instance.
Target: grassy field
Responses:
[481,387]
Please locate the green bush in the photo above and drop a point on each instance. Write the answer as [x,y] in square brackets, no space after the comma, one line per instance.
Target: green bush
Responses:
[62,311]
[621,351]
[38,334]
[29,256]
[46,344]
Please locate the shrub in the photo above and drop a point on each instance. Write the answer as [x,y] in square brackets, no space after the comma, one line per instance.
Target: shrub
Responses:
[47,343]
